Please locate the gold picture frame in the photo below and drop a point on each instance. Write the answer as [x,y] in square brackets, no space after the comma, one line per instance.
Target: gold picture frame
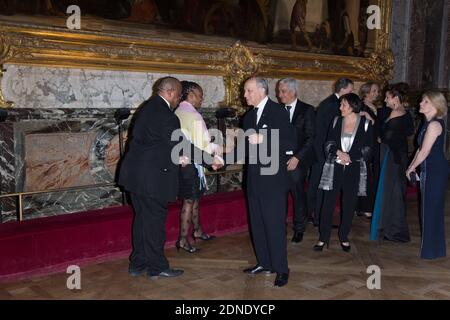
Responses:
[57,47]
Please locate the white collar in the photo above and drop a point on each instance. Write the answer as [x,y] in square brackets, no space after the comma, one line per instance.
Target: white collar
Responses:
[262,104]
[337,95]
[292,104]
[168,104]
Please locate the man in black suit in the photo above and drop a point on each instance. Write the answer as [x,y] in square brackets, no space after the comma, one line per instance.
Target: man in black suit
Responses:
[149,171]
[267,182]
[327,110]
[302,116]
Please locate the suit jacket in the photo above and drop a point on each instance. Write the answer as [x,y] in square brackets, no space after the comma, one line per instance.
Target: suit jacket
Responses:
[362,145]
[304,123]
[327,110]
[273,117]
[147,167]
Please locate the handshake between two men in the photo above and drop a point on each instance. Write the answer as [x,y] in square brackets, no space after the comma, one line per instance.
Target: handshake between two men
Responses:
[216,153]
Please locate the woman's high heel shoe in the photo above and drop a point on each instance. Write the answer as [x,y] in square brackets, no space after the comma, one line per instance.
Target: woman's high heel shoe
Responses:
[204,236]
[319,247]
[345,248]
[188,248]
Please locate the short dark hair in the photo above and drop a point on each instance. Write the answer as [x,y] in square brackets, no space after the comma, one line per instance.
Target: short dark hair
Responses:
[353,100]
[342,83]
[399,90]
[165,83]
[187,87]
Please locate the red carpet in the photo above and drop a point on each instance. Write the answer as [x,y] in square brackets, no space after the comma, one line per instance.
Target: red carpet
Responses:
[48,245]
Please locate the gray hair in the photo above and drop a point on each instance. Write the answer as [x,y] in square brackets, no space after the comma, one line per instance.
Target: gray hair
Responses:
[365,89]
[261,83]
[291,83]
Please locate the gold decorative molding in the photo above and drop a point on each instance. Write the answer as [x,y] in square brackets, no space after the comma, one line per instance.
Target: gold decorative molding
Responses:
[241,64]
[380,64]
[379,67]
[58,47]
[5,54]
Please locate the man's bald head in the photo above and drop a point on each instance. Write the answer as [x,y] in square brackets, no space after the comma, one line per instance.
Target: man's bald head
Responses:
[170,89]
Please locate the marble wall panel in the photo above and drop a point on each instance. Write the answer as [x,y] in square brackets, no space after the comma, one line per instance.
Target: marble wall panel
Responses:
[433,37]
[57,160]
[401,23]
[62,133]
[42,87]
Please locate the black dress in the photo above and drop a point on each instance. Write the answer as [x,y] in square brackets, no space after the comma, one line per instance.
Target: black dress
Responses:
[389,216]
[366,203]
[190,186]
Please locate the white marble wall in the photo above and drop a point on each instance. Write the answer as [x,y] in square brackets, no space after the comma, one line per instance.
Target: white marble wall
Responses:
[401,25]
[41,87]
[60,88]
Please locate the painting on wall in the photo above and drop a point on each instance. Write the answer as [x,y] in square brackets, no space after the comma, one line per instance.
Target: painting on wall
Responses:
[335,27]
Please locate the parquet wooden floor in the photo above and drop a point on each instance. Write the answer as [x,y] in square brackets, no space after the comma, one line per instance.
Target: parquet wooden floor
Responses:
[216,272]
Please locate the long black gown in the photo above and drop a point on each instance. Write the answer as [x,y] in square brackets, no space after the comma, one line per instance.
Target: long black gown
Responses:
[389,216]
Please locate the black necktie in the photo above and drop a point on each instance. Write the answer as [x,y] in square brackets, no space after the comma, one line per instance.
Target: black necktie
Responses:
[288,109]
[255,116]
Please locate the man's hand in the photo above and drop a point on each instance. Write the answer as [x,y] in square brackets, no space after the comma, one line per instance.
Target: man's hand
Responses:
[184,161]
[292,164]
[217,163]
[255,138]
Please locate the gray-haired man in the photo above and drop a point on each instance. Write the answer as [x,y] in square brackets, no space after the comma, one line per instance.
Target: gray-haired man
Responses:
[302,116]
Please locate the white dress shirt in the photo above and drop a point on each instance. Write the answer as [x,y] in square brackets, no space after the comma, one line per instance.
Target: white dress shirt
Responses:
[168,104]
[260,108]
[291,112]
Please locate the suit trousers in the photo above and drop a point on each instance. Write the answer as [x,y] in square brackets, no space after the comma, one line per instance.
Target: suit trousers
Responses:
[345,179]
[299,197]
[149,233]
[268,228]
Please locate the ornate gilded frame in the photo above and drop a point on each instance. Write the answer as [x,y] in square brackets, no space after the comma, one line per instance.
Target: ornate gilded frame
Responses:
[34,45]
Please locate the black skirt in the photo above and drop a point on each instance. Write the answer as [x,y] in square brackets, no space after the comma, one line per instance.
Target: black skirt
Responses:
[189,183]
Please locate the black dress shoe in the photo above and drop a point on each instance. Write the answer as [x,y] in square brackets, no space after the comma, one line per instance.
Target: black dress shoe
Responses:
[281,279]
[257,269]
[346,248]
[319,247]
[298,237]
[136,272]
[168,273]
